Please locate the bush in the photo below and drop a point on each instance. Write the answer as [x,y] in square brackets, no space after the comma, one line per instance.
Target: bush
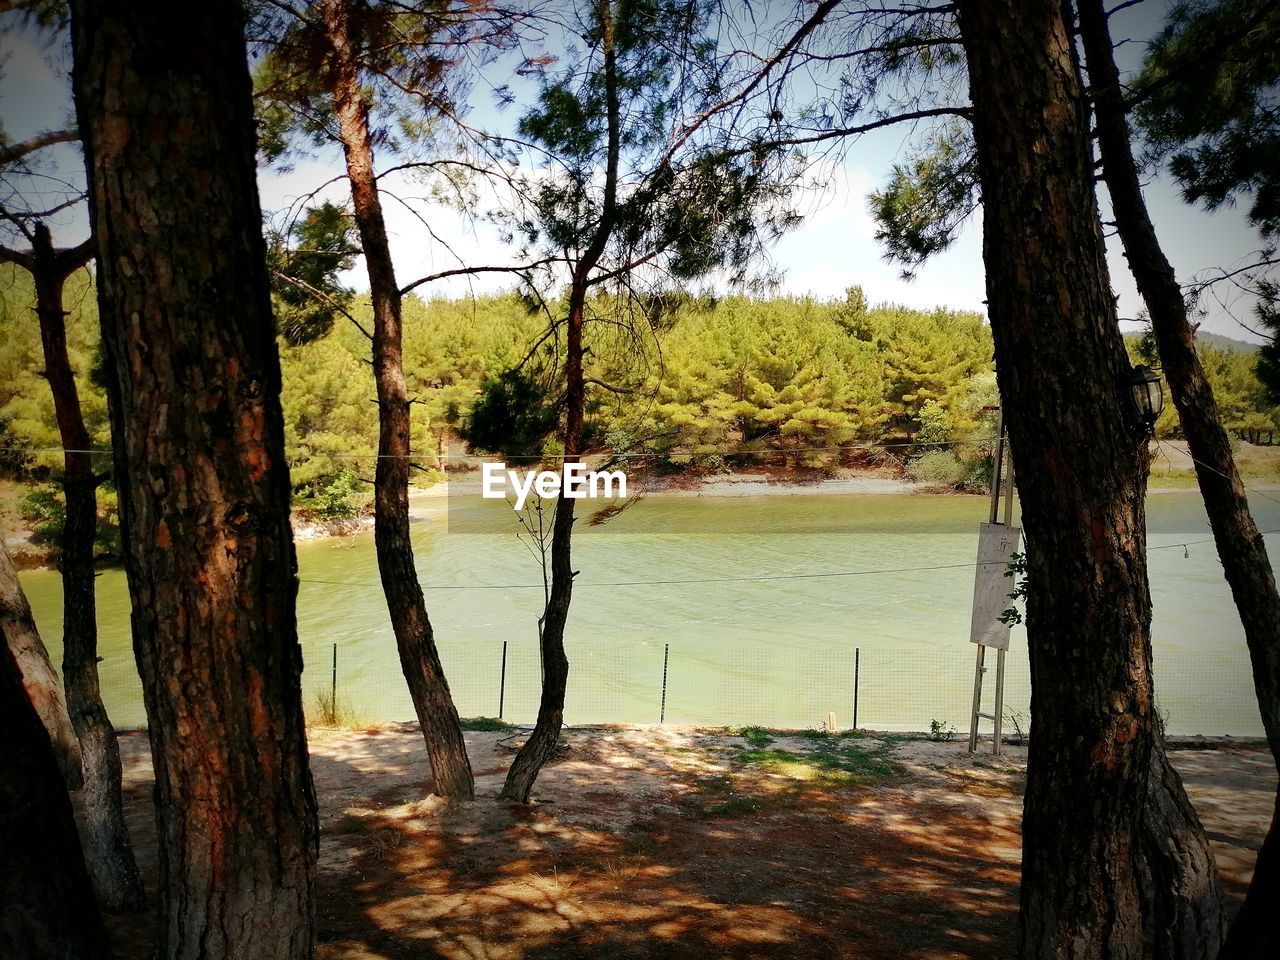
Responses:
[937,468]
[45,508]
[340,496]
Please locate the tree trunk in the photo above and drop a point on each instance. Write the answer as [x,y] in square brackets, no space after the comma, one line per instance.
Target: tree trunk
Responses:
[193,383]
[1184,898]
[46,902]
[1082,468]
[541,745]
[415,638]
[108,849]
[39,678]
[1240,547]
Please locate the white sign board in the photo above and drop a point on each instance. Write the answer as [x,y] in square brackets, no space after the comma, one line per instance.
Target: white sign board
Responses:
[991,588]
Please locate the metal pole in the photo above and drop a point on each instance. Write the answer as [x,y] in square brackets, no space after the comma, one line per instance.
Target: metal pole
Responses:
[1008,491]
[857,669]
[996,748]
[333,683]
[997,463]
[999,712]
[979,670]
[502,682]
[662,710]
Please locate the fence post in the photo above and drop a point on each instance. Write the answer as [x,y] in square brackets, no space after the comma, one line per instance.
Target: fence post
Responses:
[662,710]
[857,669]
[333,683]
[502,682]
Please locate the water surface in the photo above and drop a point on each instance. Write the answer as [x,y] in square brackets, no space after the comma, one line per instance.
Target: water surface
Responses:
[697,582]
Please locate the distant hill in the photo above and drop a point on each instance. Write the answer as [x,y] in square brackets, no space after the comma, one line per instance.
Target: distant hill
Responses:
[1225,343]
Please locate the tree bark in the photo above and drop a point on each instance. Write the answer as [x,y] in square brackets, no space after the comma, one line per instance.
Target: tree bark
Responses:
[193,384]
[1185,908]
[1082,468]
[1240,547]
[415,638]
[39,679]
[108,849]
[46,902]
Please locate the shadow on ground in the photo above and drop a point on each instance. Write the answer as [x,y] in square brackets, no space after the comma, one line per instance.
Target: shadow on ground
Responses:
[658,843]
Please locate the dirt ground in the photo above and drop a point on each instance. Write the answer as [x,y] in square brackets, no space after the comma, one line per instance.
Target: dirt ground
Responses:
[654,843]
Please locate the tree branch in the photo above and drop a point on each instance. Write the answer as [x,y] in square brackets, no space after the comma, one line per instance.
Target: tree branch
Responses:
[9,153]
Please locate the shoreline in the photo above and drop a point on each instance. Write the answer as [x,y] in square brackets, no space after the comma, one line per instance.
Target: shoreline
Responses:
[851,482]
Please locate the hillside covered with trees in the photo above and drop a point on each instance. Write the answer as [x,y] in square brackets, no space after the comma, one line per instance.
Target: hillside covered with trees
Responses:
[713,384]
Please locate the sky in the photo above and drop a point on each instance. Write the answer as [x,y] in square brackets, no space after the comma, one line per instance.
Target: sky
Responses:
[832,249]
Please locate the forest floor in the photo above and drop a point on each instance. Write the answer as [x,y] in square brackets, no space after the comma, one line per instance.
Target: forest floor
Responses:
[682,843]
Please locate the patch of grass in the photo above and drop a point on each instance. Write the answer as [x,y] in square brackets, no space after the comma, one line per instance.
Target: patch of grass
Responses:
[830,764]
[349,824]
[823,734]
[636,847]
[941,731]
[485,725]
[756,736]
[714,785]
[334,712]
[734,807]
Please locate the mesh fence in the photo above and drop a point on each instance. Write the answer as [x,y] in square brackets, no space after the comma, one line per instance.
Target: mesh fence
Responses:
[749,684]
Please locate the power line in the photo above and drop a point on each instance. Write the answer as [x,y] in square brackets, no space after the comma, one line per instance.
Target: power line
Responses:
[1224,476]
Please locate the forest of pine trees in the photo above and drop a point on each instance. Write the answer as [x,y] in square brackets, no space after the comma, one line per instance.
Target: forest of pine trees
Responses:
[727,382]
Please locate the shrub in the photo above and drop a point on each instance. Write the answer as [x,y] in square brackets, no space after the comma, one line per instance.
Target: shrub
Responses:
[339,496]
[937,468]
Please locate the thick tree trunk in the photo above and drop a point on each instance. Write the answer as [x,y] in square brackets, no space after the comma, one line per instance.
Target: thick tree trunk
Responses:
[193,382]
[39,678]
[415,638]
[108,849]
[47,908]
[1184,898]
[1240,547]
[1082,470]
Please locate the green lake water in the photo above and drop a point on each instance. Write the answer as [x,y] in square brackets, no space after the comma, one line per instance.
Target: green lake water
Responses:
[777,652]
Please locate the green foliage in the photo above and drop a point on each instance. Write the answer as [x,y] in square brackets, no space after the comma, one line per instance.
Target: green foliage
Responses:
[1017,572]
[27,418]
[512,417]
[45,509]
[937,468]
[305,261]
[941,731]
[1207,102]
[728,382]
[756,736]
[486,725]
[337,496]
[833,763]
[1267,310]
[927,201]
[681,197]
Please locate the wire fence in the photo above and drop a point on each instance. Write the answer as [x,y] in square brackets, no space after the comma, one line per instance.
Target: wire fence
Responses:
[875,688]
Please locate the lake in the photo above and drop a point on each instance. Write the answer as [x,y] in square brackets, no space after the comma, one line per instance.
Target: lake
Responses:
[744,603]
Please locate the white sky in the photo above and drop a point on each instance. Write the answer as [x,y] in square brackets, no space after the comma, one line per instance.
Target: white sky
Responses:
[833,249]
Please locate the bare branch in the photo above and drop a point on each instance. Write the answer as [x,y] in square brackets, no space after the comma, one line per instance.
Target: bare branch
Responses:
[10,153]
[518,269]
